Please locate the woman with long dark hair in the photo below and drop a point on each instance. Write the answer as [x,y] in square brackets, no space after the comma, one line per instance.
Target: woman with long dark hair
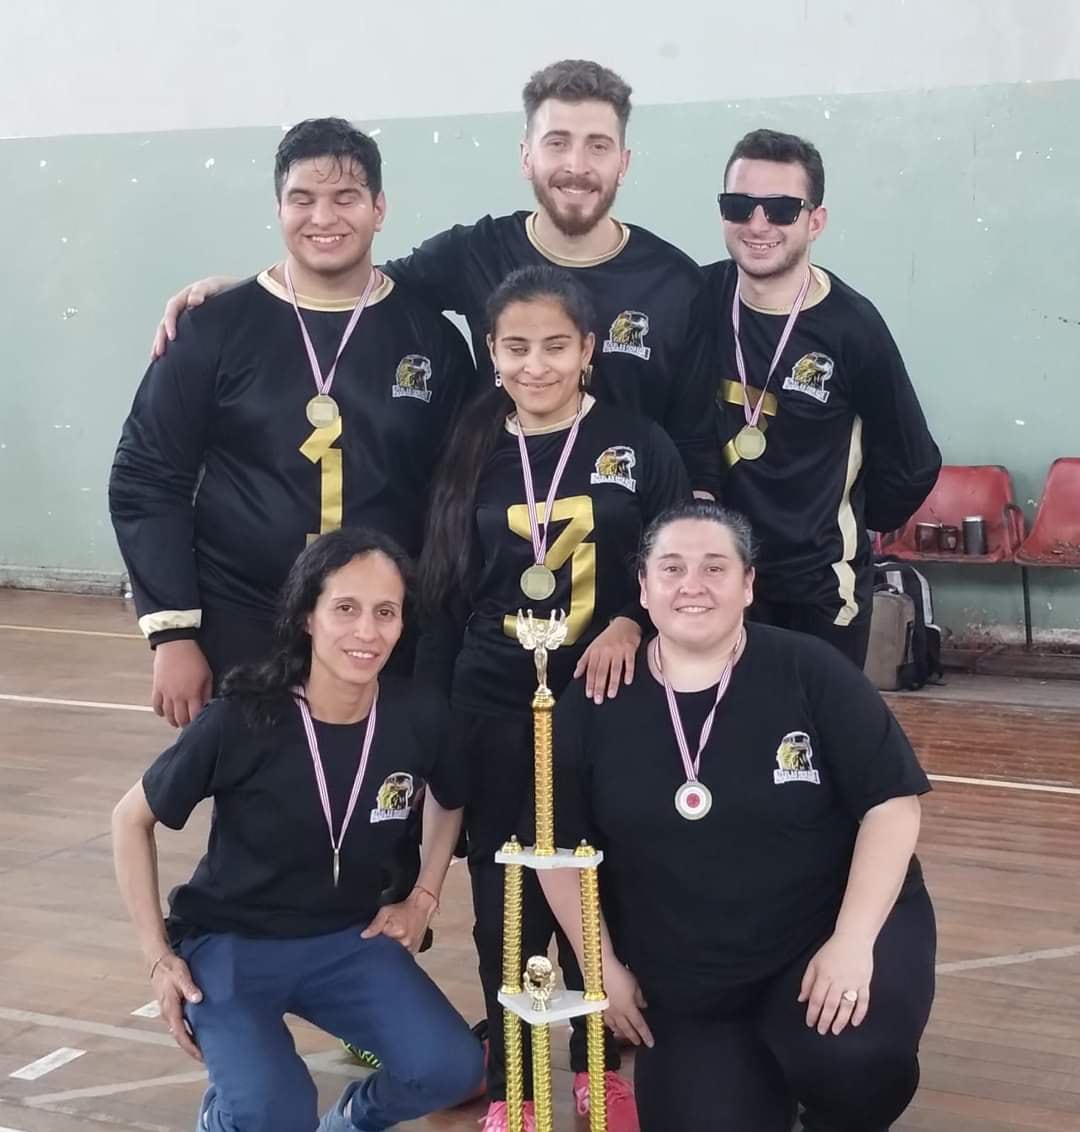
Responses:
[771,941]
[539,505]
[312,759]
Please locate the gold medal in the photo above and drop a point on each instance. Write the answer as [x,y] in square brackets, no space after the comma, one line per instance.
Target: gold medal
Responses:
[749,442]
[322,410]
[693,800]
[538,583]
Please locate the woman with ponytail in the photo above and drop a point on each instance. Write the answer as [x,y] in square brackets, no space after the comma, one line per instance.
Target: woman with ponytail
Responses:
[540,504]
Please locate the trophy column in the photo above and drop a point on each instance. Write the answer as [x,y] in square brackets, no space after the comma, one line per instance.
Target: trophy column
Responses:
[511,984]
[531,995]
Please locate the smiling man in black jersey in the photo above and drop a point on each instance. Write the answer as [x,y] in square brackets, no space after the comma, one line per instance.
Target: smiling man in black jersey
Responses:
[270,422]
[820,429]
[575,156]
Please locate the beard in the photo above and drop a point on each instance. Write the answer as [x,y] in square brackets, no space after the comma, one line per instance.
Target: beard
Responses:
[572,220]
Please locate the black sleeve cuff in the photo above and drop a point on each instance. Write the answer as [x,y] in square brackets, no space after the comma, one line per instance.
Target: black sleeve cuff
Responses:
[166,635]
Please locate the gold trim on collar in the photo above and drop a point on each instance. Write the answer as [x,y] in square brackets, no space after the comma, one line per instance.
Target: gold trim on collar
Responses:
[819,290]
[269,283]
[587,403]
[562,261]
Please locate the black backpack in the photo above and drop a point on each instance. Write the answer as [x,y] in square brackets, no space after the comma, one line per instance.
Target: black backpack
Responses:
[922,660]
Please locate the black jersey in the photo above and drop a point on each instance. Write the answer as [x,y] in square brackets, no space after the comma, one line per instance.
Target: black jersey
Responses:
[622,472]
[219,479]
[268,870]
[642,293]
[847,443]
[801,748]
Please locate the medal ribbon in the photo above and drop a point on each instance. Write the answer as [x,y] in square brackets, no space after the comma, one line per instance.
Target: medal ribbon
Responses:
[320,776]
[322,384]
[692,766]
[751,416]
[540,542]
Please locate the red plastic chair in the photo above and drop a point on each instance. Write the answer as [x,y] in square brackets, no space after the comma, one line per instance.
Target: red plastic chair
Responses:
[962,490]
[1055,536]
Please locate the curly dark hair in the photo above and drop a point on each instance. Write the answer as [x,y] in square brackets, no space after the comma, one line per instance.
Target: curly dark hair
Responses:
[578,80]
[328,137]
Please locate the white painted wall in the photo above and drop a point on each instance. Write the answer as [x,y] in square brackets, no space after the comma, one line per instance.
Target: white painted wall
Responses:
[70,67]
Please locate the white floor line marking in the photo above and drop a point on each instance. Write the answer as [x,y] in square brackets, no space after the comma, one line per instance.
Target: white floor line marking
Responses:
[47,1064]
[5,1129]
[11,698]
[1005,784]
[1008,960]
[150,1010]
[43,1099]
[329,1061]
[79,1026]
[74,633]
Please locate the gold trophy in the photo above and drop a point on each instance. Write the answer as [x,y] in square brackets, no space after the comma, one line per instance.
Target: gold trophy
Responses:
[531,995]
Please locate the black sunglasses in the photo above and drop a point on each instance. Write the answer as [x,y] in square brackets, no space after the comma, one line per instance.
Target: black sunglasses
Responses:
[739,207]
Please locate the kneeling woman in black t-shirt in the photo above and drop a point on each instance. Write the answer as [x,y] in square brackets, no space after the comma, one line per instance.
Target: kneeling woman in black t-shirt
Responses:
[312,760]
[771,941]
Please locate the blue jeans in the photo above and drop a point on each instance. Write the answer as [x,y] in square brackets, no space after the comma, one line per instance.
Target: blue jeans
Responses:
[369,992]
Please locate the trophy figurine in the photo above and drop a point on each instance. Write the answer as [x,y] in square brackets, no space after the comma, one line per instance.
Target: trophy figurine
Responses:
[530,995]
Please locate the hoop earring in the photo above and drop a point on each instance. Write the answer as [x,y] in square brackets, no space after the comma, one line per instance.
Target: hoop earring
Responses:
[586,378]
[498,380]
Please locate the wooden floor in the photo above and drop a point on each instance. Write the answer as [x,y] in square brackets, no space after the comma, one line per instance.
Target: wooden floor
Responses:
[1001,853]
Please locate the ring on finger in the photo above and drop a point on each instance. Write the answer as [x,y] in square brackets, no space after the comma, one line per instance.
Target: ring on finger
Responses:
[850,997]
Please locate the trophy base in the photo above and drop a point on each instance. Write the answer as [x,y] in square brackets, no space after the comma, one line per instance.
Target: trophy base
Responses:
[563,1005]
[560,859]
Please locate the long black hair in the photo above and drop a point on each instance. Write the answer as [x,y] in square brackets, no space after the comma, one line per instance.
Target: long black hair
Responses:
[448,559]
[263,688]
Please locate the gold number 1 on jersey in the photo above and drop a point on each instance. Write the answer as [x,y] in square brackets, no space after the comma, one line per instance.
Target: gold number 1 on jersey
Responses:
[570,547]
[318,448]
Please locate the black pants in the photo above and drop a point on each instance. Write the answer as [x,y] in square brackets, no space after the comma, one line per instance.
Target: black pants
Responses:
[747,1070]
[852,640]
[229,639]
[499,755]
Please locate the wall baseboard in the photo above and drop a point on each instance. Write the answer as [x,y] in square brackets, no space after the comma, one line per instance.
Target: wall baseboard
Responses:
[987,636]
[63,581]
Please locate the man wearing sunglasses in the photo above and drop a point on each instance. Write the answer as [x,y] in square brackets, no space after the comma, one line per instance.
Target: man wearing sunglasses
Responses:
[821,430]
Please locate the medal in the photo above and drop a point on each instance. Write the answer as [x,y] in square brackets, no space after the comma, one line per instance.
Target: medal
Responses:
[749,442]
[320,777]
[693,799]
[538,581]
[322,410]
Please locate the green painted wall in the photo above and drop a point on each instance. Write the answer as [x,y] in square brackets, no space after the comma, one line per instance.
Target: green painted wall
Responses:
[955,210]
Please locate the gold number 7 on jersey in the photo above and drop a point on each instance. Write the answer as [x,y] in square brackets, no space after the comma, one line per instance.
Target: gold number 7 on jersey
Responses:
[570,547]
[319,449]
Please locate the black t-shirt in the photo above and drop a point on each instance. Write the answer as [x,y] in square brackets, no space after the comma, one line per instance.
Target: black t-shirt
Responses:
[220,419]
[642,293]
[268,869]
[622,472]
[847,443]
[801,748]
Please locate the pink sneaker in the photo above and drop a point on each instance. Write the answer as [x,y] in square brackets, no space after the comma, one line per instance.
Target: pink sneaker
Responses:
[621,1107]
[496,1119]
